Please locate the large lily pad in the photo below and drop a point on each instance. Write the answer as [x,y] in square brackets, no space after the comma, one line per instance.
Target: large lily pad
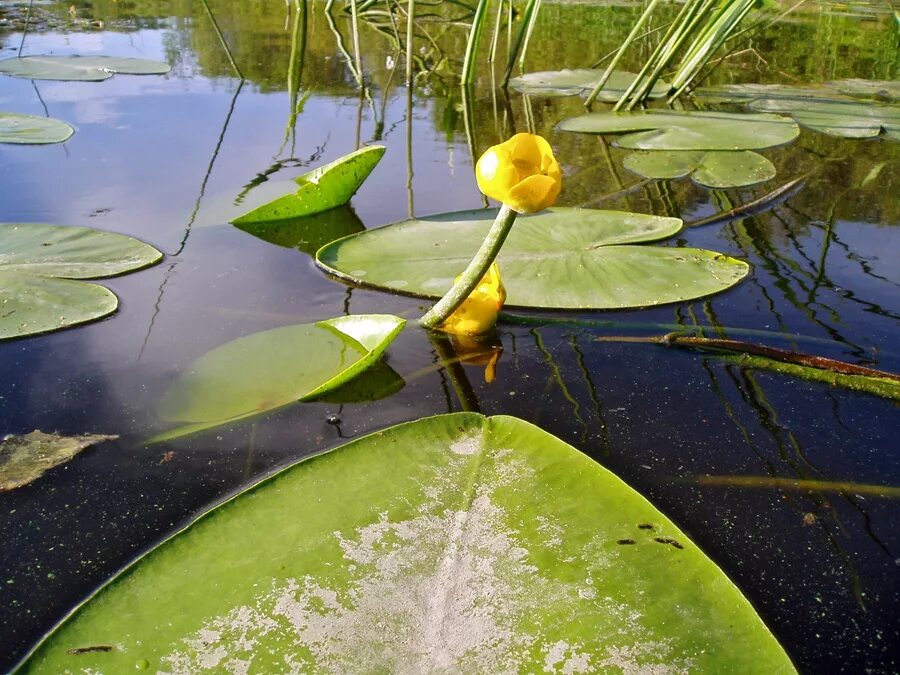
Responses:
[580,81]
[38,266]
[26,458]
[559,258]
[456,543]
[32,130]
[832,108]
[265,371]
[321,189]
[687,130]
[836,90]
[79,68]
[715,169]
[844,119]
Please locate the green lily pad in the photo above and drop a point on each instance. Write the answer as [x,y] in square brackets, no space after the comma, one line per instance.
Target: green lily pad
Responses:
[737,93]
[79,68]
[456,543]
[321,189]
[24,459]
[689,130]
[265,371]
[307,234]
[844,119]
[559,258]
[836,90]
[832,108]
[715,169]
[38,268]
[580,81]
[885,90]
[32,130]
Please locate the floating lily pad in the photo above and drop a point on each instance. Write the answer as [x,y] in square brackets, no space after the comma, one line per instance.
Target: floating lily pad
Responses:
[456,543]
[738,93]
[844,119]
[265,371]
[38,264]
[24,459]
[832,108]
[79,68]
[886,90]
[559,258]
[310,233]
[32,130]
[321,189]
[688,130]
[837,90]
[715,169]
[580,81]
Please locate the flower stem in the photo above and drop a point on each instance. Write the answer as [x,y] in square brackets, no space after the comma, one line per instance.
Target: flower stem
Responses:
[475,271]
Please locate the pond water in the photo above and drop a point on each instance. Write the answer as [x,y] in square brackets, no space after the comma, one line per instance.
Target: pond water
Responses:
[153,156]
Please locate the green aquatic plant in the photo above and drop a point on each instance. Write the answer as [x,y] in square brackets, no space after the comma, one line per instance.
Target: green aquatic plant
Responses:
[25,458]
[715,169]
[687,130]
[32,130]
[524,176]
[42,268]
[561,258]
[697,32]
[578,82]
[79,68]
[259,373]
[321,189]
[456,542]
[844,108]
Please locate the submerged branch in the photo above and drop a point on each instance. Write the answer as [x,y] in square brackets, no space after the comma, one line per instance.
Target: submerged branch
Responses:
[801,484]
[796,364]
[783,355]
[771,199]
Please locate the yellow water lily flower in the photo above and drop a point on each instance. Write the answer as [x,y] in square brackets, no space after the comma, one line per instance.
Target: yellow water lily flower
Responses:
[478,312]
[521,173]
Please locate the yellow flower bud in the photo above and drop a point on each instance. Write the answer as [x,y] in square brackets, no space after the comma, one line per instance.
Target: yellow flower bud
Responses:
[521,173]
[478,313]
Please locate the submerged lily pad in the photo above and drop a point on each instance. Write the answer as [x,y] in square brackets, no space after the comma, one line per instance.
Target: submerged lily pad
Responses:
[559,258]
[457,543]
[24,459]
[715,169]
[580,81]
[79,68]
[32,130]
[265,371]
[38,266]
[321,189]
[687,130]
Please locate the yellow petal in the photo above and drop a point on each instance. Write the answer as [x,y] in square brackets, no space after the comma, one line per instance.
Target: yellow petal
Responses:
[526,153]
[506,171]
[478,313]
[533,194]
[496,173]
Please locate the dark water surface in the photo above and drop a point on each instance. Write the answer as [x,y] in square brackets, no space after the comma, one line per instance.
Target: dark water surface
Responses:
[154,155]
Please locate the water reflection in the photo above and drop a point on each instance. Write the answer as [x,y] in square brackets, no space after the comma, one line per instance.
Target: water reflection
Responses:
[153,157]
